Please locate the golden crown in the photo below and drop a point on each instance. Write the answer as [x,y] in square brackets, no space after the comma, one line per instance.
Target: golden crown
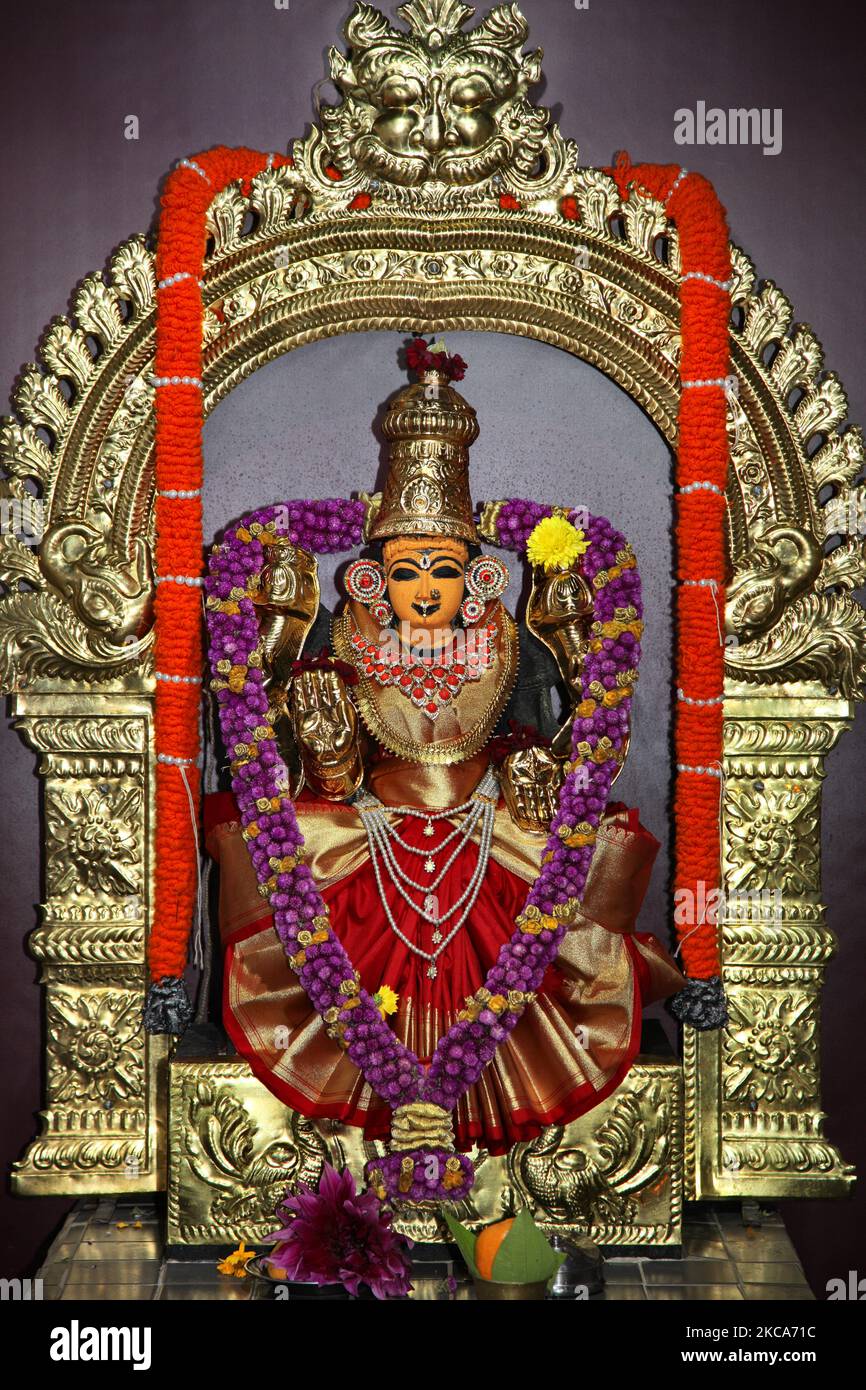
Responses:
[429,427]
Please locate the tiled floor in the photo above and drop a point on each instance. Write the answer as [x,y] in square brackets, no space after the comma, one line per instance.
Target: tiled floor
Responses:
[111,1248]
[726,1255]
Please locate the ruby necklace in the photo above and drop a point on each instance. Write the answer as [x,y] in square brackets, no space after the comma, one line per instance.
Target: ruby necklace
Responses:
[430,682]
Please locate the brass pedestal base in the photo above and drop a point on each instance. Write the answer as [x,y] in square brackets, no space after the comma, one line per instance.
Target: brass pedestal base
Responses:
[234,1148]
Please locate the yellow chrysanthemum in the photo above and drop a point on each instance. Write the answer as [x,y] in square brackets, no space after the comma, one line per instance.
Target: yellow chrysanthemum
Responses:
[386,1000]
[555,544]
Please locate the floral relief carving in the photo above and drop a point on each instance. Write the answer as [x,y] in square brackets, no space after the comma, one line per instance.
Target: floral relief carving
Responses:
[772,836]
[94,1041]
[769,1052]
[93,841]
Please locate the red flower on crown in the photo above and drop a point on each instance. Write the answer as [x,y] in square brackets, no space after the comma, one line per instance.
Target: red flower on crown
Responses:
[420,359]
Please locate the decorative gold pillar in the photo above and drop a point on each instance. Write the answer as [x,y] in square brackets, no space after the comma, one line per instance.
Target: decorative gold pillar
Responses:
[753,1098]
[103,1125]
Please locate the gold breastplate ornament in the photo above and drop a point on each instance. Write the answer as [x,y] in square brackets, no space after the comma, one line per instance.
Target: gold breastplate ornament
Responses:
[463,722]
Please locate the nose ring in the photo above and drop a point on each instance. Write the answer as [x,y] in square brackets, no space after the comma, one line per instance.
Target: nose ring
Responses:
[434,593]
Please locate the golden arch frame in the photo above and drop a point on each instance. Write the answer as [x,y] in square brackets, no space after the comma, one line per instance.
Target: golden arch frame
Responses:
[291,262]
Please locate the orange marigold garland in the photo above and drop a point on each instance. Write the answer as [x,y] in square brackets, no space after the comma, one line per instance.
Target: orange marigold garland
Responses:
[701,476]
[189,190]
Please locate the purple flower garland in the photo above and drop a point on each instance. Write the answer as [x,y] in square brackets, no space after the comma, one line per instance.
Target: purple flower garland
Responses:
[275,842]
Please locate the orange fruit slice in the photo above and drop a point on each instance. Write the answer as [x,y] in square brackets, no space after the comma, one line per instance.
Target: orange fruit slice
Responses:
[487,1244]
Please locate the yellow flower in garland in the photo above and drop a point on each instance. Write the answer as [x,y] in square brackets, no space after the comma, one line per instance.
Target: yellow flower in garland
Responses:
[386,1000]
[555,544]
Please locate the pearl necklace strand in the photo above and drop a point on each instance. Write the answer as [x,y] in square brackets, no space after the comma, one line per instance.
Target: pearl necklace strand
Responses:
[481,805]
[394,868]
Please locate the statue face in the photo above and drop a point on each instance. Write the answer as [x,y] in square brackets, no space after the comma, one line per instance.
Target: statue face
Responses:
[432,113]
[426,580]
[435,103]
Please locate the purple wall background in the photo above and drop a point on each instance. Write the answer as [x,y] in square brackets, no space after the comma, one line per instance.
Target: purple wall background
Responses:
[205,72]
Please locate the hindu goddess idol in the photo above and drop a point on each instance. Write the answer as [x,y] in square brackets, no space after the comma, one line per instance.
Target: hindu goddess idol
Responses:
[428,901]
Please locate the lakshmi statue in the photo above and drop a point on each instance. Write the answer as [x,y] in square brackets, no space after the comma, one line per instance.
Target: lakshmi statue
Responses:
[420,747]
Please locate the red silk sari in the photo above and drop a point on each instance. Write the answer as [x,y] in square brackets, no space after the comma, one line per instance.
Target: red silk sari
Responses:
[572,1047]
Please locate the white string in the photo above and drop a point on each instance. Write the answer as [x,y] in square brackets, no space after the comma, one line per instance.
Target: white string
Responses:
[684,939]
[714,590]
[732,396]
[211,779]
[197,952]
[712,585]
[721,776]
[717,763]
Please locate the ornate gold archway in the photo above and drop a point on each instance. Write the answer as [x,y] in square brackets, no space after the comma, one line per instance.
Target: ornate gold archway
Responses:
[292,262]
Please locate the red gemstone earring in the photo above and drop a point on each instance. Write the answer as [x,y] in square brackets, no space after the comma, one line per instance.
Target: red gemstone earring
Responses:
[486,579]
[365,582]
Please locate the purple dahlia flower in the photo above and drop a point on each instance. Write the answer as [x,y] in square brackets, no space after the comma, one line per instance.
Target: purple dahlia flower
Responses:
[337,1235]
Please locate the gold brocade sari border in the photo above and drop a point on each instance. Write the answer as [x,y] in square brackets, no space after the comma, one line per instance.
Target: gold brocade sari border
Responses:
[533,1072]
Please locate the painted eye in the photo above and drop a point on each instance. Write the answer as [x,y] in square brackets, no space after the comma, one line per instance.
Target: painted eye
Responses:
[404,575]
[447,572]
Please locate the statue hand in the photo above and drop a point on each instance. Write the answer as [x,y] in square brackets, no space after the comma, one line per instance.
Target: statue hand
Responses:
[530,781]
[325,725]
